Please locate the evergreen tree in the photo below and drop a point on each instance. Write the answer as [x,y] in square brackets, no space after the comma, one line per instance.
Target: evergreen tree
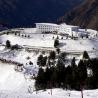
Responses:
[7,33]
[52,55]
[62,38]
[85,55]
[18,34]
[95,72]
[8,44]
[82,70]
[57,37]
[75,75]
[60,73]
[48,74]
[53,37]
[54,77]
[28,36]
[40,80]
[62,57]
[58,50]
[15,33]
[40,60]
[73,64]
[68,77]
[44,61]
[15,47]
[56,43]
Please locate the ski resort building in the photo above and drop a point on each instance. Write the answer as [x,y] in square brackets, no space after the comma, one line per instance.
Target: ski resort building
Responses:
[68,29]
[47,27]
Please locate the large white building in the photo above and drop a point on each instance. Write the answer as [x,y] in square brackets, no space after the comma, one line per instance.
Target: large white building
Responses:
[47,27]
[68,29]
[60,29]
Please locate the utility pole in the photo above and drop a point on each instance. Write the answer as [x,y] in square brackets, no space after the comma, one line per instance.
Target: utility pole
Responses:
[81,93]
[81,87]
[51,88]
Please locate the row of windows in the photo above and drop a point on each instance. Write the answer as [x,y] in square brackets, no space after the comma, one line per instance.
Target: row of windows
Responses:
[47,27]
[53,28]
[48,30]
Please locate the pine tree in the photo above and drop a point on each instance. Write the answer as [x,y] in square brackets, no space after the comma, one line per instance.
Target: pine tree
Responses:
[52,55]
[54,77]
[75,75]
[68,77]
[57,37]
[85,55]
[82,70]
[44,61]
[56,43]
[58,50]
[95,72]
[60,72]
[40,60]
[8,44]
[62,57]
[18,34]
[48,74]
[40,80]
[15,33]
[61,37]
[73,64]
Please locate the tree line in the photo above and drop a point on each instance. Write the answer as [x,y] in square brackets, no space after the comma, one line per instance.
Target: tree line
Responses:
[74,76]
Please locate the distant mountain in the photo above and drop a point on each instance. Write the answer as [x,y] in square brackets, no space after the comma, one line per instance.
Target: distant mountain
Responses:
[20,13]
[85,15]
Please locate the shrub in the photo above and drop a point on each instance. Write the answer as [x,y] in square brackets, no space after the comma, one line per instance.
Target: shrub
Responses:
[56,43]
[15,47]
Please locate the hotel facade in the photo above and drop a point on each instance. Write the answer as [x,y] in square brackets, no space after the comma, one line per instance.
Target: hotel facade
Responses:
[55,28]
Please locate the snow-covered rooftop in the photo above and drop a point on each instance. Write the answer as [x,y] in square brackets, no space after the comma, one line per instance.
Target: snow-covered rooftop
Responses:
[64,24]
[48,24]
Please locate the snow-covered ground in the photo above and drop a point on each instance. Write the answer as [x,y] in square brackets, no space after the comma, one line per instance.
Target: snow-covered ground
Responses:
[46,40]
[9,79]
[18,84]
[38,40]
[14,85]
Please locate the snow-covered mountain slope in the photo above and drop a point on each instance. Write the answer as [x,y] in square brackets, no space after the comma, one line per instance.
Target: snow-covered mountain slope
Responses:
[19,84]
[14,85]
[46,41]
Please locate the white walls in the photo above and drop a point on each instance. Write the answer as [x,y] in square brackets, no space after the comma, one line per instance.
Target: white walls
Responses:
[47,27]
[60,29]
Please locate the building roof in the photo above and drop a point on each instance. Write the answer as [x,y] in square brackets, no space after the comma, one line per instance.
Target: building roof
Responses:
[64,24]
[51,24]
